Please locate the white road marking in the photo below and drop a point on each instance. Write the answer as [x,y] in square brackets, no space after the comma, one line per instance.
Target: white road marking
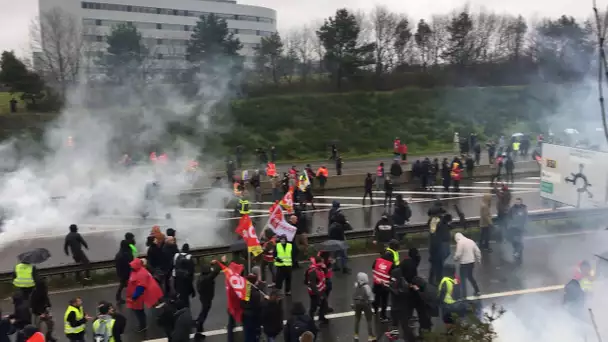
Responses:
[484,188]
[219,332]
[538,178]
[516,183]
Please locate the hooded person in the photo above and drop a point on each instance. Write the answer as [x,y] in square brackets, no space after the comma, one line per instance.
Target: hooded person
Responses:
[439,245]
[466,255]
[30,334]
[130,238]
[402,212]
[299,323]
[40,304]
[169,250]
[384,232]
[142,291]
[272,316]
[363,297]
[122,263]
[206,291]
[158,235]
[183,322]
[401,303]
[74,242]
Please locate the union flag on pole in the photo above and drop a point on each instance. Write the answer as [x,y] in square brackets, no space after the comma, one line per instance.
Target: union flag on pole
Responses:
[276,222]
[237,289]
[247,231]
[287,201]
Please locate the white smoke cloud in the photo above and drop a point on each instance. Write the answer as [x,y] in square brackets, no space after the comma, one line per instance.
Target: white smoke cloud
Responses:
[105,123]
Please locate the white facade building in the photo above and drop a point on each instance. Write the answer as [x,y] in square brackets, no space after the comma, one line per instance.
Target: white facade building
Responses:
[165,25]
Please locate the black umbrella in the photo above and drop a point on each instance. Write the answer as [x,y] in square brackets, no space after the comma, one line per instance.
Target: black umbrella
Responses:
[331,246]
[238,246]
[35,256]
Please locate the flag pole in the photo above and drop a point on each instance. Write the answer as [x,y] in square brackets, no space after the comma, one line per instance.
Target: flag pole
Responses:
[248,262]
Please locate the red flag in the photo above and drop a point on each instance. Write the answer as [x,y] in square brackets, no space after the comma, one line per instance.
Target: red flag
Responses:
[246,230]
[287,201]
[237,289]
[276,222]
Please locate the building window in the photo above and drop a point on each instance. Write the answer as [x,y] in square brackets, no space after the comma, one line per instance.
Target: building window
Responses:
[158,11]
[84,5]
[186,28]
[129,8]
[99,39]
[159,41]
[159,56]
[175,12]
[186,14]
[97,6]
[98,22]
[130,23]
[159,26]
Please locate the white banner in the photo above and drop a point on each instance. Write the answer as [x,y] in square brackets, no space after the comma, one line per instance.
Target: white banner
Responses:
[276,222]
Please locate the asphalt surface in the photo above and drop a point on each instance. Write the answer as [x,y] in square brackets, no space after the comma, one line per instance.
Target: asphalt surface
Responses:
[365,165]
[549,261]
[210,227]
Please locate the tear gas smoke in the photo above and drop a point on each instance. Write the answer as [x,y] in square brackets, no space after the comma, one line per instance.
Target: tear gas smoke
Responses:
[87,176]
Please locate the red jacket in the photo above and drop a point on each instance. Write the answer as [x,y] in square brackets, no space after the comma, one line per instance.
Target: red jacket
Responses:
[141,277]
[396,145]
[403,149]
[37,337]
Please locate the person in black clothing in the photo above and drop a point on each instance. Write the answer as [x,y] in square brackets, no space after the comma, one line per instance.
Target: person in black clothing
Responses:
[368,186]
[206,292]
[251,312]
[338,226]
[21,313]
[439,245]
[273,153]
[509,168]
[388,191]
[416,170]
[256,184]
[433,170]
[384,232]
[7,328]
[477,150]
[73,322]
[75,242]
[396,172]
[425,170]
[155,259]
[41,309]
[334,152]
[183,275]
[183,322]
[401,303]
[166,317]
[272,316]
[123,269]
[339,165]
[445,174]
[402,212]
[169,249]
[470,166]
[298,323]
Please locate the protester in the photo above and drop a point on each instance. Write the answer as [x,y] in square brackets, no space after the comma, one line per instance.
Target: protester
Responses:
[380,176]
[122,263]
[272,316]
[183,275]
[206,292]
[518,219]
[40,304]
[298,324]
[183,322]
[75,242]
[30,334]
[384,232]
[283,264]
[396,172]
[154,255]
[402,212]
[316,284]
[7,328]
[363,297]
[142,291]
[329,274]
[466,255]
[169,250]
[130,239]
[388,191]
[25,276]
[401,306]
[485,222]
[382,269]
[105,328]
[322,175]
[21,311]
[75,320]
[252,308]
[368,186]
[446,175]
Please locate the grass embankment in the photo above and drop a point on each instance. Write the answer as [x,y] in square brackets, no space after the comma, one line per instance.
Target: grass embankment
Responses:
[356,247]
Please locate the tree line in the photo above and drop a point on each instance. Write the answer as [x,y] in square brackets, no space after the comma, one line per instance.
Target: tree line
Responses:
[351,50]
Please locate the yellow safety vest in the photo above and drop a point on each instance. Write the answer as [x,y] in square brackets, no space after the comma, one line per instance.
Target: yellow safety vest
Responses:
[395,256]
[516,146]
[244,204]
[24,276]
[68,329]
[586,284]
[449,289]
[109,327]
[284,253]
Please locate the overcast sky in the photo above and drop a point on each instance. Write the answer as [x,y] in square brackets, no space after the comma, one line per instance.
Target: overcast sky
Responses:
[16,15]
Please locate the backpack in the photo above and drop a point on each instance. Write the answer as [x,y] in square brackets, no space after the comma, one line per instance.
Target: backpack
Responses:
[360,296]
[181,266]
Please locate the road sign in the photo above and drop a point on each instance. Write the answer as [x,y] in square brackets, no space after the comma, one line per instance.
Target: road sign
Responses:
[574,176]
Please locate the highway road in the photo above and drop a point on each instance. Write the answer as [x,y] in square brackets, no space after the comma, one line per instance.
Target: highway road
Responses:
[534,288]
[208,227]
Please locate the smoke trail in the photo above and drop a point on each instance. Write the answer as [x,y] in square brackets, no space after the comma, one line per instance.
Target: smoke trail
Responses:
[103,123]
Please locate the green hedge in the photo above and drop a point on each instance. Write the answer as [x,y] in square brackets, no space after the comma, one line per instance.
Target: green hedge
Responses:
[365,122]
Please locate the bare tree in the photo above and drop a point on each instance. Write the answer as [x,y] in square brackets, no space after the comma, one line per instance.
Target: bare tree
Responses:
[403,42]
[300,44]
[316,43]
[58,44]
[383,25]
[439,37]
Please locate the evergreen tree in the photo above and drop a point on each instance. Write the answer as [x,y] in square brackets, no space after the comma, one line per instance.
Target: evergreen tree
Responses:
[126,54]
[15,74]
[460,50]
[211,41]
[268,58]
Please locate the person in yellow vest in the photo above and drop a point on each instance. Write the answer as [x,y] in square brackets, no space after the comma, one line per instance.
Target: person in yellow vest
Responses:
[392,248]
[516,145]
[446,292]
[283,264]
[24,278]
[75,321]
[244,206]
[585,275]
[105,328]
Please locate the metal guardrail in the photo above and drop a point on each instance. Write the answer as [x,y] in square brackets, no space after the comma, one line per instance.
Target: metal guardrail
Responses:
[539,215]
